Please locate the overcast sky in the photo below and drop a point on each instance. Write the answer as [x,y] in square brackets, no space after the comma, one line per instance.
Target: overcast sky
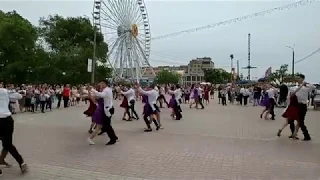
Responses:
[270,34]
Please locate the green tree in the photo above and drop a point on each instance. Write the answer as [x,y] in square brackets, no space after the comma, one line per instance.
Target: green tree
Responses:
[167,77]
[70,44]
[216,76]
[18,41]
[282,75]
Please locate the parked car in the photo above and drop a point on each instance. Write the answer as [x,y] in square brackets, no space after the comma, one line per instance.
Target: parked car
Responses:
[316,100]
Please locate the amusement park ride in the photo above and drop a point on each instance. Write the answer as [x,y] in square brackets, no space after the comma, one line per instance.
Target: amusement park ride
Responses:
[125,25]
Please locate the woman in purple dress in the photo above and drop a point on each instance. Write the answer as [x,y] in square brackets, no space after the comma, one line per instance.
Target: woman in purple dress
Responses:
[172,104]
[266,103]
[97,118]
[195,97]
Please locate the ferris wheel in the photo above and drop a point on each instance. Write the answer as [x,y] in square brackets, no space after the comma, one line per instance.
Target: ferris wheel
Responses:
[125,26]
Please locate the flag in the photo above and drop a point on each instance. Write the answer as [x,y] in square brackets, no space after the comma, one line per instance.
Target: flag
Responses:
[268,72]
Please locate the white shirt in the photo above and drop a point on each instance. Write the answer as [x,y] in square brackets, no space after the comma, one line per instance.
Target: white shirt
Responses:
[200,91]
[246,92]
[161,91]
[4,102]
[303,93]
[271,93]
[242,91]
[293,89]
[152,96]
[177,95]
[107,96]
[58,91]
[130,94]
[36,91]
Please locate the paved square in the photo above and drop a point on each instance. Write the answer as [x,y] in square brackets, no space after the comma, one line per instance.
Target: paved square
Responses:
[225,143]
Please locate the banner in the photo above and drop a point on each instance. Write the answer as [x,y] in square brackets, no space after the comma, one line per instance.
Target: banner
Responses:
[89,66]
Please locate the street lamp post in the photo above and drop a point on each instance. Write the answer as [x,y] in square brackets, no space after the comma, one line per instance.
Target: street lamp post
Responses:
[292,63]
[94,55]
[96,24]
[231,58]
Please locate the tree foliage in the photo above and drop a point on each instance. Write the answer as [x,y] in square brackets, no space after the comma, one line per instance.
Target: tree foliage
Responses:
[17,37]
[282,75]
[216,76]
[167,77]
[54,52]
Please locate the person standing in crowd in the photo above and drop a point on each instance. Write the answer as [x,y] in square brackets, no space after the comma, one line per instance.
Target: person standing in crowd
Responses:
[283,94]
[206,94]
[186,95]
[241,94]
[256,95]
[66,92]
[223,93]
[58,95]
[219,94]
[50,97]
[7,128]
[13,100]
[43,99]
[302,96]
[29,95]
[246,94]
[212,89]
[107,96]
[312,96]
[37,96]
[200,96]
[271,94]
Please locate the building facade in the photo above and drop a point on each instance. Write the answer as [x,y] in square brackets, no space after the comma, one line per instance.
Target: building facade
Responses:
[190,74]
[194,73]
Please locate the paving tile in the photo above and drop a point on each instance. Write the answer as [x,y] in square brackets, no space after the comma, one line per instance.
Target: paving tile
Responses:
[225,143]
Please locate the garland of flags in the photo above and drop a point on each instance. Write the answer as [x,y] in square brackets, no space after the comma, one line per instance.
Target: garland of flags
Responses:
[238,19]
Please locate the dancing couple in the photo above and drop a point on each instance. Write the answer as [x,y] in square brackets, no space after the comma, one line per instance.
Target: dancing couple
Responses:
[103,112]
[151,111]
[128,104]
[297,109]
[175,102]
